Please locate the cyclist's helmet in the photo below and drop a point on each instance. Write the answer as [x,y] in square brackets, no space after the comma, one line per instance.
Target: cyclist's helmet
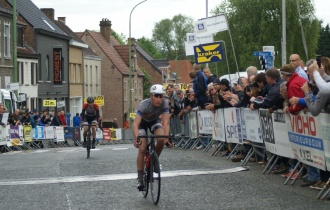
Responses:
[90,99]
[157,89]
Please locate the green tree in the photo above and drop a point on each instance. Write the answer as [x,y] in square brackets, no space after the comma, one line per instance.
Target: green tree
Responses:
[146,84]
[257,23]
[169,35]
[148,46]
[119,37]
[324,41]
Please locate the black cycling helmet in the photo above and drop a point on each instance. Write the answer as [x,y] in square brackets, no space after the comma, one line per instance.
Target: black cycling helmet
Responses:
[90,99]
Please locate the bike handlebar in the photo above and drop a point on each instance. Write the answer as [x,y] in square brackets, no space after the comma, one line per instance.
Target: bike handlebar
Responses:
[152,136]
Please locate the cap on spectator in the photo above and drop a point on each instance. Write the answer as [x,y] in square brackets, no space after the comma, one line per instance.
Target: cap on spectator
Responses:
[217,81]
[35,110]
[224,82]
[179,91]
[287,69]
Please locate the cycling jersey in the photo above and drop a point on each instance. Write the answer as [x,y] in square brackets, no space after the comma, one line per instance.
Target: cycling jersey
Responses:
[150,115]
[90,113]
[148,112]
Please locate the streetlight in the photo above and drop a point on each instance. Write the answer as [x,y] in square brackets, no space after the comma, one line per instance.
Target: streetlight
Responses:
[130,65]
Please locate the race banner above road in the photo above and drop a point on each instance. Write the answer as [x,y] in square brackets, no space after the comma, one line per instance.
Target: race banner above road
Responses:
[99,100]
[207,53]
[211,25]
[194,39]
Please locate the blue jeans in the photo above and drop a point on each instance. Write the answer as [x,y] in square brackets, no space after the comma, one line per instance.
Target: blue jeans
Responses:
[313,174]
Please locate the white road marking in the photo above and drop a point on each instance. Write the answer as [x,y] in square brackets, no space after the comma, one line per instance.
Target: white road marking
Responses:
[113,177]
[119,149]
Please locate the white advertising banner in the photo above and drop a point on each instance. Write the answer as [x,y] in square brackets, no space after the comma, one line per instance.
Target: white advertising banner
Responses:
[305,136]
[281,146]
[219,126]
[194,39]
[205,121]
[59,134]
[3,138]
[211,25]
[232,126]
[325,128]
[192,119]
[251,129]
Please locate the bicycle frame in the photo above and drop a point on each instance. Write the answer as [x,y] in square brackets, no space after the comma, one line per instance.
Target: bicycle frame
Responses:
[152,166]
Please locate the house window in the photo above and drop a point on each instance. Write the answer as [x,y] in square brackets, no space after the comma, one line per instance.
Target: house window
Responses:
[33,103]
[7,40]
[78,73]
[33,74]
[20,72]
[20,42]
[47,68]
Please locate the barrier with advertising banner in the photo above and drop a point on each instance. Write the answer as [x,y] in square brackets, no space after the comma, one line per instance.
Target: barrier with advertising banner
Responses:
[219,126]
[3,138]
[205,122]
[231,125]
[27,129]
[14,135]
[306,139]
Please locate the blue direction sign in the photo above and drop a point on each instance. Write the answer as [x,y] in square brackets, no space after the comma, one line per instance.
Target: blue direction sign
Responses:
[260,53]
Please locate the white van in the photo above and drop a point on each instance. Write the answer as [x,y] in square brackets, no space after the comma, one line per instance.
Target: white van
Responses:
[9,100]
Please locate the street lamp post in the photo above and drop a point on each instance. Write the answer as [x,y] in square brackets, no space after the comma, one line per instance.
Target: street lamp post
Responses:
[130,65]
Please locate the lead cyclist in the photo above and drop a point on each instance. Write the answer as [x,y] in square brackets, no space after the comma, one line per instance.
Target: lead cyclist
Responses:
[148,117]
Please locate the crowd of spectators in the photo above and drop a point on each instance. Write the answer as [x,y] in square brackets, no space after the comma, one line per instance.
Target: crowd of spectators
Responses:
[290,89]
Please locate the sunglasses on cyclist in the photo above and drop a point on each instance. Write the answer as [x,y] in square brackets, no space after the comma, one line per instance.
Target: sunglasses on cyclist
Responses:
[156,95]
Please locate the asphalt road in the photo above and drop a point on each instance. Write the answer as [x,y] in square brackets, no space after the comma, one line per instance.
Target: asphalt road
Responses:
[62,178]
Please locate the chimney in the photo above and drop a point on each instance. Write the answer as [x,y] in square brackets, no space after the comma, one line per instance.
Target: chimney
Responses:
[50,12]
[105,29]
[61,19]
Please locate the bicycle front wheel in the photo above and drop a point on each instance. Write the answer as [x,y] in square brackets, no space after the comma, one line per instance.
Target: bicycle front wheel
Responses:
[155,178]
[88,146]
[145,181]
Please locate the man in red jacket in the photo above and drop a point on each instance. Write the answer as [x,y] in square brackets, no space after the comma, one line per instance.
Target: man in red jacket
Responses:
[294,84]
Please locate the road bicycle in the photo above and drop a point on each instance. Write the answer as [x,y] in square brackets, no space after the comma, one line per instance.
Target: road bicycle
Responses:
[88,139]
[151,172]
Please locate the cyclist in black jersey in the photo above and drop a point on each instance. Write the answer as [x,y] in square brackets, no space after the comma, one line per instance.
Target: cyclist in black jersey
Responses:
[148,117]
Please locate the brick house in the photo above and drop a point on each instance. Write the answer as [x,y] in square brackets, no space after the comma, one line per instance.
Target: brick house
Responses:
[115,74]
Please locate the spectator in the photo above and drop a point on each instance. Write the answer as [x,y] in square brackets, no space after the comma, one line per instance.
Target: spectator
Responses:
[296,63]
[210,77]
[76,120]
[200,86]
[56,119]
[294,83]
[251,71]
[114,123]
[272,98]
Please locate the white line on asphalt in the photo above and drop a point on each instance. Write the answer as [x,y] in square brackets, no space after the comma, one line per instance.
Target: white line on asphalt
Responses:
[112,177]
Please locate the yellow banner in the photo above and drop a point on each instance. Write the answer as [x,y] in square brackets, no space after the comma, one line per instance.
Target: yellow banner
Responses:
[99,100]
[27,130]
[206,53]
[50,103]
[113,134]
[132,115]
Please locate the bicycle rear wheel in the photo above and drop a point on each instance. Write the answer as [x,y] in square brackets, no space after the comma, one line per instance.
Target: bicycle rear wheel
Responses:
[88,146]
[155,178]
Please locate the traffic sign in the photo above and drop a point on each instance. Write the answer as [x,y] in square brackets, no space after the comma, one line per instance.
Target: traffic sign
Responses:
[50,103]
[132,115]
[260,53]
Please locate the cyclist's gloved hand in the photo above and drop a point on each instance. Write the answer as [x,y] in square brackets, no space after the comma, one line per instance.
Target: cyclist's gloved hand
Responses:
[168,143]
[137,143]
